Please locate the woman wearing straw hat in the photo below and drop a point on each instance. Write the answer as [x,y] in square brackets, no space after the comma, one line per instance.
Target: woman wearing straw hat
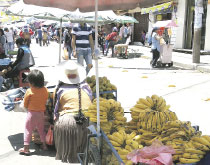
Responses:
[72,96]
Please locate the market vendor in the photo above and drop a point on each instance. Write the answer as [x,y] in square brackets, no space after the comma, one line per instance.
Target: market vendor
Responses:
[71,94]
[24,60]
[155,47]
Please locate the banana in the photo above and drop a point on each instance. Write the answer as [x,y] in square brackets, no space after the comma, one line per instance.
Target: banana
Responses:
[188,161]
[124,157]
[145,102]
[162,106]
[129,148]
[155,98]
[170,131]
[160,101]
[121,118]
[179,151]
[137,110]
[194,151]
[117,137]
[131,136]
[137,138]
[149,122]
[166,108]
[200,146]
[134,144]
[172,124]
[155,121]
[115,143]
[141,106]
[178,134]
[206,137]
[123,152]
[176,157]
[192,156]
[149,99]
[201,140]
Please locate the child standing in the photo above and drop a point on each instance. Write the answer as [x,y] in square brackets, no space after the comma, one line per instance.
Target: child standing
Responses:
[35,102]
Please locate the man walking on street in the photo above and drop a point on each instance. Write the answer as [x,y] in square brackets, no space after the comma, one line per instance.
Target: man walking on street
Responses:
[82,44]
[10,41]
[39,33]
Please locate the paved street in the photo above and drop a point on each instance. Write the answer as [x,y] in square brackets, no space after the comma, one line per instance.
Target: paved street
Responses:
[134,78]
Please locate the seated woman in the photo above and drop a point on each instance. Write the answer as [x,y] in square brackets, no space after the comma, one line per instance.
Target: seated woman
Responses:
[72,95]
[24,60]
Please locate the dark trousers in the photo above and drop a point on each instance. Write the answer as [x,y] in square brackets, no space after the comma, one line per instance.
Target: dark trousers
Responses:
[155,57]
[111,44]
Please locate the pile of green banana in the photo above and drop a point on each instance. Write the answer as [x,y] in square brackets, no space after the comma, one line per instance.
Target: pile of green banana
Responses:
[125,143]
[111,115]
[104,85]
[151,113]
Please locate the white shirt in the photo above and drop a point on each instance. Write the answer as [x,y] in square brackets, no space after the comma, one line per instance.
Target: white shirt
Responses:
[9,36]
[121,34]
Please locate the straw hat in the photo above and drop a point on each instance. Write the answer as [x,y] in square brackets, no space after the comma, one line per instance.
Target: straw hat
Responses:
[71,72]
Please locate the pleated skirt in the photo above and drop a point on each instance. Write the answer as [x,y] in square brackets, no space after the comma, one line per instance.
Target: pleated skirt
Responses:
[70,138]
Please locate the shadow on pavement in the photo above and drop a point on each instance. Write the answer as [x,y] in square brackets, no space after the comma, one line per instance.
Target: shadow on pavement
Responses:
[17,142]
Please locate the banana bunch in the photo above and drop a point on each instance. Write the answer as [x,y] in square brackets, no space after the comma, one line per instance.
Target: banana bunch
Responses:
[125,143]
[104,85]
[92,111]
[111,115]
[151,113]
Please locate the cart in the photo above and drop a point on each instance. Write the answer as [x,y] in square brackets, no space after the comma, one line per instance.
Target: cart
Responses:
[105,155]
[165,56]
[121,50]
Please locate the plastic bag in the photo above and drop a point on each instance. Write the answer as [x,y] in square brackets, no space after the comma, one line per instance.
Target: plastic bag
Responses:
[156,154]
[66,55]
[49,136]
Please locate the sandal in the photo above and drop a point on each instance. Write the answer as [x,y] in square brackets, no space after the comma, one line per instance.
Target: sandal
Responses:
[23,152]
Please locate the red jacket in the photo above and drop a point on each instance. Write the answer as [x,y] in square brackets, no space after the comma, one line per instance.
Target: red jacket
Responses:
[22,33]
[112,36]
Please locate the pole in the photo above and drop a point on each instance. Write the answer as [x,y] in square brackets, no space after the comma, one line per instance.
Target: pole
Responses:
[59,60]
[96,69]
[197,31]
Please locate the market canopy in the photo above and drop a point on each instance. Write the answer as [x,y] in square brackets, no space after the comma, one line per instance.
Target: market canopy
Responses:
[157,8]
[22,9]
[166,24]
[126,19]
[89,5]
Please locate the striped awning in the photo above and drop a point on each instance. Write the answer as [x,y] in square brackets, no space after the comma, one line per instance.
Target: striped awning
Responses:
[157,8]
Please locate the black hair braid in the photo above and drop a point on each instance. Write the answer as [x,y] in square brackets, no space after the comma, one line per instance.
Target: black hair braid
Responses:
[60,83]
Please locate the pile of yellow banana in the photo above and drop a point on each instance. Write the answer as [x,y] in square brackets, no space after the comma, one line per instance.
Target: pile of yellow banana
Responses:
[195,149]
[151,113]
[125,143]
[104,85]
[147,137]
[111,115]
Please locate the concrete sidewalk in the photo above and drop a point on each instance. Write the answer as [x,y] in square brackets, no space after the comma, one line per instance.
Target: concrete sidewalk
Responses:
[183,60]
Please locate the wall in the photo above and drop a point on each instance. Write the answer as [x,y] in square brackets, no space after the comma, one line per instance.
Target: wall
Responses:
[180,30]
[207,38]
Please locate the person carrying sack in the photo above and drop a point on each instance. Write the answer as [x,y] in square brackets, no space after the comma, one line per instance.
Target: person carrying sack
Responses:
[72,96]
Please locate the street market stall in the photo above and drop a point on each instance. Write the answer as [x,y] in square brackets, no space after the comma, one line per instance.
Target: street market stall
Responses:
[110,111]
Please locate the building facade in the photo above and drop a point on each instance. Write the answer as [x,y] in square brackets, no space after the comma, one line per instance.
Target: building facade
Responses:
[182,12]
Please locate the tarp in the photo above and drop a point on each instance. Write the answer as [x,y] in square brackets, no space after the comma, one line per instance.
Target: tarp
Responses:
[156,8]
[166,24]
[89,5]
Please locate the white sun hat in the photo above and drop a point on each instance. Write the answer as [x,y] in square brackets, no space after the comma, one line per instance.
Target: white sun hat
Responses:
[71,72]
